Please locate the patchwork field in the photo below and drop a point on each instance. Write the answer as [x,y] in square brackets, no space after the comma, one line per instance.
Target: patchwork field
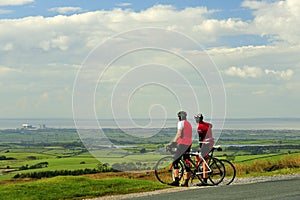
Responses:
[27,156]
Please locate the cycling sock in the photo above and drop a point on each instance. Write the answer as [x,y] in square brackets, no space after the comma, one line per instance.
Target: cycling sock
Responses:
[186,183]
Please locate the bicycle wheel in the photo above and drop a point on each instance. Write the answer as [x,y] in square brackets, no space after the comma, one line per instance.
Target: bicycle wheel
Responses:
[164,170]
[217,173]
[230,172]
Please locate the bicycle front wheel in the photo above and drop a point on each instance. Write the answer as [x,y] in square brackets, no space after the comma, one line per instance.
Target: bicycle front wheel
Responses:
[164,170]
[230,172]
[217,173]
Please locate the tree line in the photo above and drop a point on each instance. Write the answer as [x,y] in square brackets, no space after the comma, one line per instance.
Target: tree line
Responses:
[48,174]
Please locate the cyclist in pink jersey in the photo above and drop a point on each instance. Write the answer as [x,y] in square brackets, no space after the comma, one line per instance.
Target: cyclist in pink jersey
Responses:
[183,139]
[204,130]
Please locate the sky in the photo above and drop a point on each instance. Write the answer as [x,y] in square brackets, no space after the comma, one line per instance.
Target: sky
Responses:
[46,46]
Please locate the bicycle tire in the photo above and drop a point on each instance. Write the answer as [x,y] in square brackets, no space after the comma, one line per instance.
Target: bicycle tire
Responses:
[164,170]
[230,172]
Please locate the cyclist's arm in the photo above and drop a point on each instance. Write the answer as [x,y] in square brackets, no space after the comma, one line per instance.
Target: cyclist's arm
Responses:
[178,135]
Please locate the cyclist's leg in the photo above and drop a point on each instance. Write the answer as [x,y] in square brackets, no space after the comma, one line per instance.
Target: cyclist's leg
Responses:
[205,170]
[177,158]
[186,157]
[176,172]
[204,152]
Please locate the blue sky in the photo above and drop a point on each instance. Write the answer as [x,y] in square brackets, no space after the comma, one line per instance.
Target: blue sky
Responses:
[44,45]
[43,7]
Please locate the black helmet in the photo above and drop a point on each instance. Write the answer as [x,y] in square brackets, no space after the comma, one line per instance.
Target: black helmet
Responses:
[198,118]
[182,114]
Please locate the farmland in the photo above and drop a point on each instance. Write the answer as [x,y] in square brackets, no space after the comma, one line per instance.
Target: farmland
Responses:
[62,149]
[57,152]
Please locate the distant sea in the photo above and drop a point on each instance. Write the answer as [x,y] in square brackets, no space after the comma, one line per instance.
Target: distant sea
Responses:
[255,124]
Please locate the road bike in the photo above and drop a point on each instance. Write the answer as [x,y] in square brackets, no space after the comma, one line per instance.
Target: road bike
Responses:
[215,169]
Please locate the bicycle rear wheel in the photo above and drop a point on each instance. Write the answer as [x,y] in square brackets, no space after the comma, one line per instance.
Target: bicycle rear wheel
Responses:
[230,172]
[164,170]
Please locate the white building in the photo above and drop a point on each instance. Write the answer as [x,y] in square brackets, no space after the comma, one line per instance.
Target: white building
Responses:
[27,126]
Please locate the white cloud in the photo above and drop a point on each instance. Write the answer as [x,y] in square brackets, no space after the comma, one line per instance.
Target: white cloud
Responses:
[285,74]
[123,4]
[245,72]
[256,72]
[60,42]
[74,36]
[254,4]
[15,2]
[79,33]
[221,27]
[65,10]
[278,19]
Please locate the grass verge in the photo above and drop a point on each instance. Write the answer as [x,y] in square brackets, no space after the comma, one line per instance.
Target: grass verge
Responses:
[65,187]
[285,164]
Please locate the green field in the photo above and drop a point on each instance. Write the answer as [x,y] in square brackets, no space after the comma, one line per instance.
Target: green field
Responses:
[75,187]
[62,148]
[253,152]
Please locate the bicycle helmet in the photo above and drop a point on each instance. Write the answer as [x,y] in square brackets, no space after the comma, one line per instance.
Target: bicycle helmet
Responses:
[182,115]
[198,118]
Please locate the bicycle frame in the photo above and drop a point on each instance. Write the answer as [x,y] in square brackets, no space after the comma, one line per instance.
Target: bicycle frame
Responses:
[199,155]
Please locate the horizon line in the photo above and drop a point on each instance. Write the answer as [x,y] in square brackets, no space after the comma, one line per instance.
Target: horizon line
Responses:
[70,118]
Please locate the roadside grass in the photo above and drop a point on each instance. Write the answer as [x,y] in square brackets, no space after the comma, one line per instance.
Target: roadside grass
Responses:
[248,159]
[75,187]
[284,164]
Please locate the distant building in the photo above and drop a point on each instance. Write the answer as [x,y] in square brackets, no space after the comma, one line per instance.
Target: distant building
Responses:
[27,126]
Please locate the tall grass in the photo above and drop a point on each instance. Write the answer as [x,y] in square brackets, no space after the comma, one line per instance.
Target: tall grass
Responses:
[268,165]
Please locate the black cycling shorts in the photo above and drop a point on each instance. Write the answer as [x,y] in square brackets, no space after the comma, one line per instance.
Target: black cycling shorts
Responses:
[181,150]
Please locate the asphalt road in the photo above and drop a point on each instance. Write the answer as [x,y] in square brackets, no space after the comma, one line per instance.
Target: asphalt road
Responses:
[281,189]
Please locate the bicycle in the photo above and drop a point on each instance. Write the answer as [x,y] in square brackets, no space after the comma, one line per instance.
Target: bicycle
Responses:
[215,169]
